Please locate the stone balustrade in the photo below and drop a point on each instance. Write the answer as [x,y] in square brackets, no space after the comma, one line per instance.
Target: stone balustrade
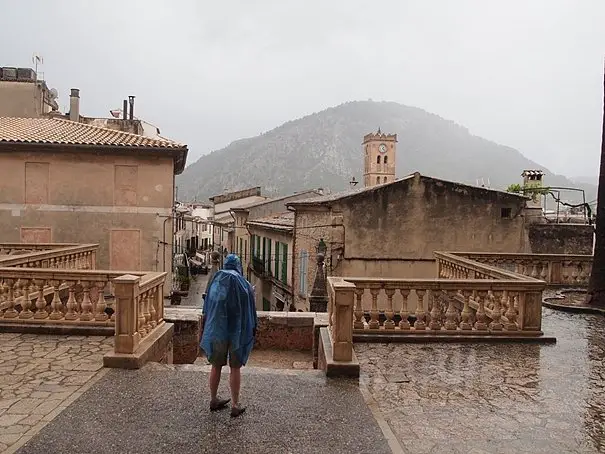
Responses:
[22,248]
[559,270]
[468,299]
[81,257]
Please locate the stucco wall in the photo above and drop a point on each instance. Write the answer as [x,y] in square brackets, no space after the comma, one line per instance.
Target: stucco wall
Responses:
[91,198]
[20,99]
[561,238]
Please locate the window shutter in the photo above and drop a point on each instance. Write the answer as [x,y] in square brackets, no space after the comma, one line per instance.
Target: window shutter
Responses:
[269,258]
[284,271]
[277,258]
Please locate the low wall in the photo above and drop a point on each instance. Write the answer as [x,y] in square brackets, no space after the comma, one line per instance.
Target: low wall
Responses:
[574,239]
[276,331]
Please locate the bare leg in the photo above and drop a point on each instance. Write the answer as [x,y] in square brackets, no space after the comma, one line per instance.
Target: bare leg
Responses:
[214,380]
[235,380]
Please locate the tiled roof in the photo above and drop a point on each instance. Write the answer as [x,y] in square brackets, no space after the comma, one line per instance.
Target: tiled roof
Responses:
[66,132]
[532,172]
[278,221]
[353,192]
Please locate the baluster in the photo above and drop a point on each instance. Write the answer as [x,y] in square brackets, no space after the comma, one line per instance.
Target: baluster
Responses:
[574,272]
[544,271]
[25,304]
[480,324]
[435,323]
[511,312]
[495,324]
[100,314]
[359,322]
[146,313]
[403,313]
[10,311]
[374,322]
[40,301]
[56,304]
[451,315]
[564,272]
[72,304]
[389,313]
[141,316]
[582,277]
[87,313]
[153,298]
[419,324]
[466,312]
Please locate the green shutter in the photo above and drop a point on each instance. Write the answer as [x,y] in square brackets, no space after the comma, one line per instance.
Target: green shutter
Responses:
[277,259]
[264,249]
[284,270]
[268,259]
[266,304]
[257,246]
[252,244]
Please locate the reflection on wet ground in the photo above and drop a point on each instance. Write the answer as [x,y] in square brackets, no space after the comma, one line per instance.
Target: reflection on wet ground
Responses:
[495,398]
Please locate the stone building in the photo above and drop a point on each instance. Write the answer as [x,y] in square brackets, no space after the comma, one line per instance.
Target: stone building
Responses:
[64,181]
[270,266]
[24,95]
[391,230]
[379,158]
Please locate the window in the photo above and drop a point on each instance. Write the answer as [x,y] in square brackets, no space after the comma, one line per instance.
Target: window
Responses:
[245,250]
[377,180]
[252,243]
[268,259]
[264,250]
[386,159]
[385,180]
[378,159]
[257,246]
[284,264]
[506,213]
[277,259]
[241,247]
[302,272]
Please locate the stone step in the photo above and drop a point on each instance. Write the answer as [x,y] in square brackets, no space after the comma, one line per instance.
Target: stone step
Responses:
[247,370]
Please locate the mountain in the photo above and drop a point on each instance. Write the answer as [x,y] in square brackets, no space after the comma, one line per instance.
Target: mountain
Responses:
[324,150]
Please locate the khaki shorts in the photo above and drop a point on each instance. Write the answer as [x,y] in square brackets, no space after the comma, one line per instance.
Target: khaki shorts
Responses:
[221,351]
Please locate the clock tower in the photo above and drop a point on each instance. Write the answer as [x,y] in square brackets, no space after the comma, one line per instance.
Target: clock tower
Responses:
[379,158]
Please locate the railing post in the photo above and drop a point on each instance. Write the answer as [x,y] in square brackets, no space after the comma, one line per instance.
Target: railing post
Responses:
[342,328]
[529,316]
[127,336]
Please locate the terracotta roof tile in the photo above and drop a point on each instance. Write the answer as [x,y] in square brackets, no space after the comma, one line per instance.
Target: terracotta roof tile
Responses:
[61,131]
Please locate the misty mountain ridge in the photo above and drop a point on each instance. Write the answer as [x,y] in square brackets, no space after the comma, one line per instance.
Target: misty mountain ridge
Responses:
[324,149]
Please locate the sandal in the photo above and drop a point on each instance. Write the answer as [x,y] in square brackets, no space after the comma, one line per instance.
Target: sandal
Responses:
[219,404]
[236,411]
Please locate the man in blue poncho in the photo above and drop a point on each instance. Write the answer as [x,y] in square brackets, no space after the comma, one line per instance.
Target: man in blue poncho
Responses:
[229,329]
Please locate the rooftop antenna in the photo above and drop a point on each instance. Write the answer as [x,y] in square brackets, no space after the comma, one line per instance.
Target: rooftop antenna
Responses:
[37,59]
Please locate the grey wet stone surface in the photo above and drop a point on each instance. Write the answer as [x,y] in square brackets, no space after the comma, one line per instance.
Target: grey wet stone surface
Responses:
[504,398]
[160,409]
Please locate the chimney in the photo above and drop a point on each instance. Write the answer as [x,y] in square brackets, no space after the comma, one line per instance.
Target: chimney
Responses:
[125,110]
[131,102]
[74,105]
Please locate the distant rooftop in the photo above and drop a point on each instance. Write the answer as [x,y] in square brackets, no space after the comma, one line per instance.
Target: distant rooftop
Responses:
[280,221]
[353,192]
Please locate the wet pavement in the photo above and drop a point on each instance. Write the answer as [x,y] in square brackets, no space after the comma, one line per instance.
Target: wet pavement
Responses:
[494,398]
[40,376]
[162,409]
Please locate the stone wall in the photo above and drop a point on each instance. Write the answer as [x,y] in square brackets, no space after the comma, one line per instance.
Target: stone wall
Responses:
[276,330]
[561,238]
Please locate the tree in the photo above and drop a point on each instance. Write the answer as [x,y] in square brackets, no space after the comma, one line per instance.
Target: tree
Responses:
[596,284]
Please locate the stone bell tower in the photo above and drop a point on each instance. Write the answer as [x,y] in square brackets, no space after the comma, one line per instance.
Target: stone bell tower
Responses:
[379,158]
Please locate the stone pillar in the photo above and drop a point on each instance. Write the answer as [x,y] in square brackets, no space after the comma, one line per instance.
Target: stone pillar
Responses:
[342,321]
[318,299]
[127,336]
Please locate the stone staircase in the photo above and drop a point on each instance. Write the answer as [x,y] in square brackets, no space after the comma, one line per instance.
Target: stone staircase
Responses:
[164,408]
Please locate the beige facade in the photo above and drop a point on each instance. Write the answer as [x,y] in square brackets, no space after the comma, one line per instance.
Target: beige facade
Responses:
[270,269]
[392,230]
[22,95]
[119,196]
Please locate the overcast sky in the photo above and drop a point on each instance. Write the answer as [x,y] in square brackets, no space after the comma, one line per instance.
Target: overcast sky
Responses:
[524,73]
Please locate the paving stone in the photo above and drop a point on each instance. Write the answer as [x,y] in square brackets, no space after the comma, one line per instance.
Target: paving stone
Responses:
[46,407]
[24,406]
[14,429]
[10,419]
[6,403]
[9,439]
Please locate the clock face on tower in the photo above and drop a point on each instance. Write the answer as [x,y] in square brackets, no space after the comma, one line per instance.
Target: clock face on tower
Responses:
[382,148]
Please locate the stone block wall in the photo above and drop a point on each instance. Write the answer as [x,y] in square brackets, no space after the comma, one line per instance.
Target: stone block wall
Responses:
[561,238]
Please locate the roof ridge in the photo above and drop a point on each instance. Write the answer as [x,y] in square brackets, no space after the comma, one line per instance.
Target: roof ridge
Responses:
[67,121]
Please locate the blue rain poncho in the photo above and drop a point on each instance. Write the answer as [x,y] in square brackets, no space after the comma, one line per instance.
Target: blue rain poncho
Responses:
[229,311]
